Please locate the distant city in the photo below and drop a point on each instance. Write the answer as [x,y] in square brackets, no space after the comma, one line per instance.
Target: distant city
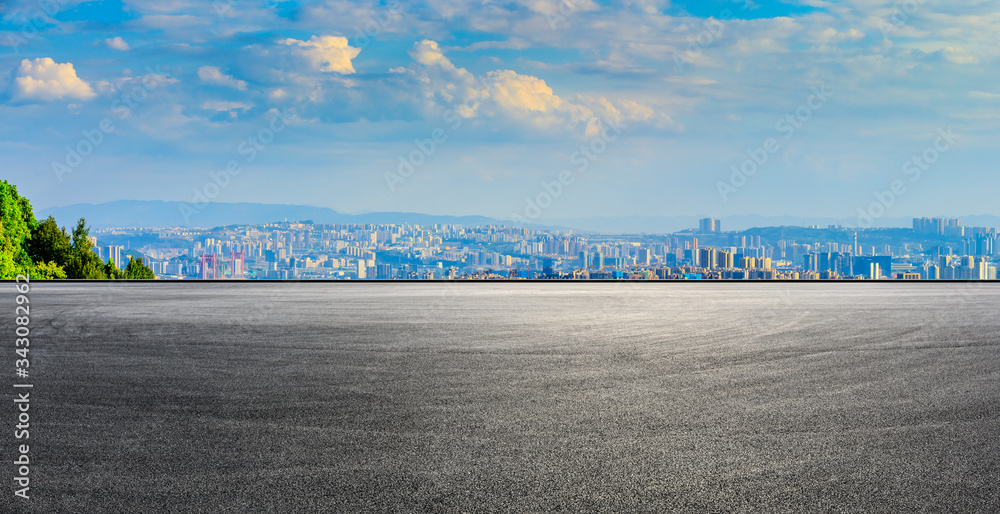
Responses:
[933,249]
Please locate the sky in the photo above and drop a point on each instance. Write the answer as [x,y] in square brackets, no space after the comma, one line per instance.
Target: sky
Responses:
[536,110]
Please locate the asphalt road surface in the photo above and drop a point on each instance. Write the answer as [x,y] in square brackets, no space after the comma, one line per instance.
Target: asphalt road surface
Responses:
[501,397]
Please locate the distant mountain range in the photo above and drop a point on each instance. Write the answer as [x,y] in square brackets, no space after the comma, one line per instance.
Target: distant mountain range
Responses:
[154,213]
[140,213]
[671,224]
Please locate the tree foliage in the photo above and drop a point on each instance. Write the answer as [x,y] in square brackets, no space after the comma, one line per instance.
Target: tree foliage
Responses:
[137,270]
[16,221]
[44,250]
[49,243]
[112,271]
[48,270]
[83,262]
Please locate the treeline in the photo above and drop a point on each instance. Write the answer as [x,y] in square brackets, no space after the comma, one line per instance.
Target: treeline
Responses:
[43,250]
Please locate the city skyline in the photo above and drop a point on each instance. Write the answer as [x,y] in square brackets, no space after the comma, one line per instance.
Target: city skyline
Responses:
[932,249]
[534,111]
[137,214]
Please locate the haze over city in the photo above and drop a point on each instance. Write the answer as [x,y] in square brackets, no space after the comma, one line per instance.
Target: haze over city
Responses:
[644,108]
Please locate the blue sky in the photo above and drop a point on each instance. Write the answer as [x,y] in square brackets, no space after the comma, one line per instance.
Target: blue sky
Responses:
[640,107]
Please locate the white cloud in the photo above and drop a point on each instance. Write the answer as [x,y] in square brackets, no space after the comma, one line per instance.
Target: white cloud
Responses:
[326,53]
[225,106]
[28,8]
[515,43]
[522,92]
[46,80]
[530,98]
[959,56]
[832,35]
[428,53]
[163,6]
[983,95]
[557,7]
[117,43]
[214,75]
[172,22]
[523,98]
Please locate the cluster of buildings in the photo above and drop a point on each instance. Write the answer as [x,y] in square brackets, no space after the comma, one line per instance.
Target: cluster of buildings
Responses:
[391,252]
[939,226]
[114,253]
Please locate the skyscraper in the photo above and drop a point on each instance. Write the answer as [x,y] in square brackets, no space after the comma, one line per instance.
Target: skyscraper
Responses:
[706,225]
[725,259]
[707,258]
[115,255]
[642,257]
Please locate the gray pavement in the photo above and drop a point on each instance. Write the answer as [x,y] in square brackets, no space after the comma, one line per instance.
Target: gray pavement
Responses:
[492,397]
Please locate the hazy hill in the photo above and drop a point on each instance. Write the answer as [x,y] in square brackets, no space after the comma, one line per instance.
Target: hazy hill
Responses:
[137,213]
[140,213]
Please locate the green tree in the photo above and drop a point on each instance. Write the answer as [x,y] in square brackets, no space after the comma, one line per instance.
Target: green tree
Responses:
[48,270]
[137,270]
[50,246]
[16,221]
[43,250]
[112,271]
[83,262]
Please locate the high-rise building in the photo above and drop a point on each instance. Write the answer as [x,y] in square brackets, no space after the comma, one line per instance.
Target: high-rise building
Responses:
[862,264]
[810,262]
[939,226]
[981,270]
[725,260]
[642,257]
[114,254]
[707,225]
[707,258]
